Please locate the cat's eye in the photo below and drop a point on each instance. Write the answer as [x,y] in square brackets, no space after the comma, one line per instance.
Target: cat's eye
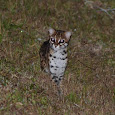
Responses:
[52,40]
[62,41]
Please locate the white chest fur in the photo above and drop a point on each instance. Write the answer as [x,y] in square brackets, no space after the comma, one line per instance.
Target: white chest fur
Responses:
[58,62]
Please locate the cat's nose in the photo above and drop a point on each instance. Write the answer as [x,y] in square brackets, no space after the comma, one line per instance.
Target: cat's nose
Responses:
[56,46]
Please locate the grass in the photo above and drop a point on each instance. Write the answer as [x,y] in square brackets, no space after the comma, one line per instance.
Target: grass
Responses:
[88,84]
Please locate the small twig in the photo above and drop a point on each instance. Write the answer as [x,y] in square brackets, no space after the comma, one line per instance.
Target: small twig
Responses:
[86,65]
[111,9]
[106,11]
[77,105]
[92,5]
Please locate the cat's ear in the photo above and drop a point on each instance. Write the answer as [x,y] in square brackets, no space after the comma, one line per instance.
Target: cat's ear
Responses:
[68,35]
[51,31]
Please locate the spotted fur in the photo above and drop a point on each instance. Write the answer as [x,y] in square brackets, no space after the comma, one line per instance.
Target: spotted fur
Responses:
[53,54]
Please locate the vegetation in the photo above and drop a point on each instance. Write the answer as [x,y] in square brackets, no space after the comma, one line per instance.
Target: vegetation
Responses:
[89,82]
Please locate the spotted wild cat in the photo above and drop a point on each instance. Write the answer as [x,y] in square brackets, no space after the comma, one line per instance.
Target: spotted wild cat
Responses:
[53,54]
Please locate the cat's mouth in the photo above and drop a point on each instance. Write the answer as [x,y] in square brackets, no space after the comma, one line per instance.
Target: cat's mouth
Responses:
[58,47]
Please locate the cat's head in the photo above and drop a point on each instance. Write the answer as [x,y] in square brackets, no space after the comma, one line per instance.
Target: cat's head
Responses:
[59,39]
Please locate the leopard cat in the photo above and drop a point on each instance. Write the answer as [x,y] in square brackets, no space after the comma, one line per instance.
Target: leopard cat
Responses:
[53,54]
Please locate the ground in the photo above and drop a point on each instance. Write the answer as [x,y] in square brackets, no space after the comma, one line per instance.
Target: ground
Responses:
[89,81]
